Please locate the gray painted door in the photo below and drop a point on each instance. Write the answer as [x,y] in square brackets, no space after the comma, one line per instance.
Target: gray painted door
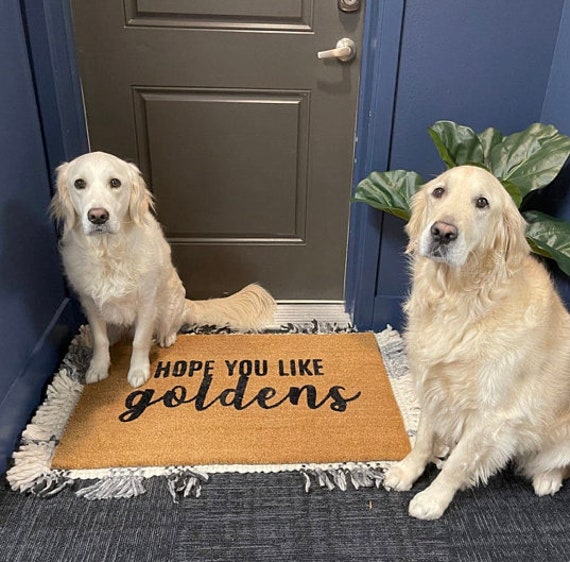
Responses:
[244,135]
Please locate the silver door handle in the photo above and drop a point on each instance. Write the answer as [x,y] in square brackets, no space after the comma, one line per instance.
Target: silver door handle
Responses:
[345,50]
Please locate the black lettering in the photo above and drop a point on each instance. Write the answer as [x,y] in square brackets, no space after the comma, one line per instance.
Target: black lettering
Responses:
[171,397]
[340,402]
[264,395]
[233,397]
[282,371]
[261,398]
[194,366]
[245,368]
[202,394]
[231,366]
[295,394]
[209,367]
[304,367]
[318,366]
[260,367]
[137,402]
[179,368]
[290,369]
[162,370]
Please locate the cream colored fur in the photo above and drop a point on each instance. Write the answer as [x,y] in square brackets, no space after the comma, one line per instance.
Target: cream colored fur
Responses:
[122,269]
[488,341]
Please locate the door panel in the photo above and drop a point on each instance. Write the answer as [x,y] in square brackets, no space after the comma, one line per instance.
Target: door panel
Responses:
[292,15]
[268,128]
[245,137]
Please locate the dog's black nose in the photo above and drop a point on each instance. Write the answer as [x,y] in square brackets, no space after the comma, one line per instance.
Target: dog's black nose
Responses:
[443,232]
[98,215]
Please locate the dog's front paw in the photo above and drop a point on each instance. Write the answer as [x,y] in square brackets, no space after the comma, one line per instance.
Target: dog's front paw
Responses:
[401,477]
[547,483]
[428,505]
[138,375]
[98,370]
[167,340]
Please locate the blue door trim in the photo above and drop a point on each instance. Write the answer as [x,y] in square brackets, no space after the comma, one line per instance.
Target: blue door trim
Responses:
[56,79]
[57,86]
[378,84]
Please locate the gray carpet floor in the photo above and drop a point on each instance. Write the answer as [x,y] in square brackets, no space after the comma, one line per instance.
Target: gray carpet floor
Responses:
[271,518]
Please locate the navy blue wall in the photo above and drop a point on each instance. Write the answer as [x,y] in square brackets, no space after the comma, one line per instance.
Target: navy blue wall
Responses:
[481,63]
[36,320]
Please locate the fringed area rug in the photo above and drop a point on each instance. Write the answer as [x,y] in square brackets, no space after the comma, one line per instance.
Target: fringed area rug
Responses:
[338,408]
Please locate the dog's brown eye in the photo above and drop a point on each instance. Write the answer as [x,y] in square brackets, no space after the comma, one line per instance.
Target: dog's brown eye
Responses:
[438,192]
[481,203]
[79,184]
[115,182]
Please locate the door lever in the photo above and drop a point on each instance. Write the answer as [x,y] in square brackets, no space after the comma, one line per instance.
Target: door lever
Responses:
[349,5]
[344,51]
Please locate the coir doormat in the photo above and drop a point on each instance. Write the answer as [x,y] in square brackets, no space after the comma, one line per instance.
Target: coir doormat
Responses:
[336,407]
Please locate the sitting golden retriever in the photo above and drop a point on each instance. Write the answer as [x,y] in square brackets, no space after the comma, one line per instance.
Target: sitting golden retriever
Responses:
[117,260]
[488,342]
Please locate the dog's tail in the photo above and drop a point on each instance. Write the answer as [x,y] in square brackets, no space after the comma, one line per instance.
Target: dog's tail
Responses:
[252,308]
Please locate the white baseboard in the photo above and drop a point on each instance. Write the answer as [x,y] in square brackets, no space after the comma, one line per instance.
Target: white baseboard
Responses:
[299,312]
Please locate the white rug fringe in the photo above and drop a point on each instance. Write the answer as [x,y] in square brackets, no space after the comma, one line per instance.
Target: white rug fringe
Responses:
[32,462]
[32,471]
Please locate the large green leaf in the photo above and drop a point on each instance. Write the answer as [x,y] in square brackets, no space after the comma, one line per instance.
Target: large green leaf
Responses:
[389,191]
[530,159]
[489,139]
[522,161]
[549,237]
[456,144]
[513,191]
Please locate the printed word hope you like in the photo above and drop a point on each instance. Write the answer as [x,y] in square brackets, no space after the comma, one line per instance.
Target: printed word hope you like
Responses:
[244,367]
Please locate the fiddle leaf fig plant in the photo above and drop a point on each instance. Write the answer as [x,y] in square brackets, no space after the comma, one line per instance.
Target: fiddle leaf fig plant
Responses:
[523,162]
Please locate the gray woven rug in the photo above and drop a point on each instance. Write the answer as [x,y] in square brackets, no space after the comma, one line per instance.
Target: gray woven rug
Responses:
[266,518]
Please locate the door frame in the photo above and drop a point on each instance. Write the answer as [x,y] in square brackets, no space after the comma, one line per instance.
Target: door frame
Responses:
[56,79]
[60,103]
[378,87]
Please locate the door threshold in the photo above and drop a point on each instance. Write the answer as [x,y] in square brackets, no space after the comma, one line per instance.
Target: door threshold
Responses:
[303,312]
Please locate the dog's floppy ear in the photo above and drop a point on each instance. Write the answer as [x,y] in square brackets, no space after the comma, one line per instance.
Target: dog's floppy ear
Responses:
[510,241]
[61,207]
[141,201]
[417,219]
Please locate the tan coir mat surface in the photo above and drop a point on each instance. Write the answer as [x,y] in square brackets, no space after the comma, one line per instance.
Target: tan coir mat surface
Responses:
[240,399]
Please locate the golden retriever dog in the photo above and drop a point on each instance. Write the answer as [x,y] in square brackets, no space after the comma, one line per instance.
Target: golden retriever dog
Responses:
[488,342]
[118,262]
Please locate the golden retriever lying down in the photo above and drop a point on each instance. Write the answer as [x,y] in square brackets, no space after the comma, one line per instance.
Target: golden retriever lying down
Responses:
[488,341]
[117,260]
